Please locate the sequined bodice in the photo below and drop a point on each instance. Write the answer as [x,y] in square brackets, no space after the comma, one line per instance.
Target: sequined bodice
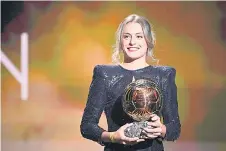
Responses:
[105,94]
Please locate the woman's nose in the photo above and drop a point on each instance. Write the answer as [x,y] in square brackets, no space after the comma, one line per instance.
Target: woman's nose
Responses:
[132,41]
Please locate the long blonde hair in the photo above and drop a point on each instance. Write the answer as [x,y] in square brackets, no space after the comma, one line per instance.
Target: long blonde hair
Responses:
[148,34]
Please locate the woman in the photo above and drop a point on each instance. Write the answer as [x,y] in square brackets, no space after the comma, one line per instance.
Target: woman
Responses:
[135,39]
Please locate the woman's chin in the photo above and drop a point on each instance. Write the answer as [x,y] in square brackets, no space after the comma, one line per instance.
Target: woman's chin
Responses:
[133,57]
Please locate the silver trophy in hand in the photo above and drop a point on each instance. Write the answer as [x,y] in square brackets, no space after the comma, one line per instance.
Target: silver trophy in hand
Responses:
[141,99]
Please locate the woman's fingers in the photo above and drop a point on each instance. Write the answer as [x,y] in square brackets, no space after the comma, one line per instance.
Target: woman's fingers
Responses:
[151,133]
[128,140]
[131,141]
[155,117]
[140,140]
[151,136]
[152,130]
[154,124]
[127,125]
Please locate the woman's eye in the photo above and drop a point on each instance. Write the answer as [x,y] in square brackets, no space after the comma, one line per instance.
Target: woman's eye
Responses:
[139,37]
[125,36]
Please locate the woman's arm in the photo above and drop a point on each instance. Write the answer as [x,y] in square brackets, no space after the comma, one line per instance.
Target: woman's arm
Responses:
[170,109]
[94,107]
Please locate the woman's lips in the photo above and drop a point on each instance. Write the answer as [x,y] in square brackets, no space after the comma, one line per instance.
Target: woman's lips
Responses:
[131,49]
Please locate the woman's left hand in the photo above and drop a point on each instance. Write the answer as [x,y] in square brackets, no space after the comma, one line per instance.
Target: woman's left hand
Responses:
[155,128]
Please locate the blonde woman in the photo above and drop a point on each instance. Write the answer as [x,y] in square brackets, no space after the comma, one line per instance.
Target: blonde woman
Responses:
[135,39]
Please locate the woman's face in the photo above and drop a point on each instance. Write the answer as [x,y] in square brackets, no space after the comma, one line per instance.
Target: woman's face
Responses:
[133,41]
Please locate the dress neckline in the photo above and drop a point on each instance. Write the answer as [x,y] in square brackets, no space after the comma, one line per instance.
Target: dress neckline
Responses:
[139,69]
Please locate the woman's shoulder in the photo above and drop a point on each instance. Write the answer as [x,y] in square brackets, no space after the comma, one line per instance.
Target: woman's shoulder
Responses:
[105,69]
[106,66]
[163,69]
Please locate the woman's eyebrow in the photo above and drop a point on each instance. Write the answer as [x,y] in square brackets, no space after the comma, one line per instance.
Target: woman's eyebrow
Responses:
[134,33]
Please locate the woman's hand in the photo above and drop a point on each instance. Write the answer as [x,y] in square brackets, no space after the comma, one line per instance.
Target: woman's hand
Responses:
[119,136]
[155,128]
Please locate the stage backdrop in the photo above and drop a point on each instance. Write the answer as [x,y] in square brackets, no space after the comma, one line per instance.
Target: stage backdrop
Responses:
[65,40]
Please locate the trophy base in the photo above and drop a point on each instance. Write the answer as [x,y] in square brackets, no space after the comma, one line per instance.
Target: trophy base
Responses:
[135,130]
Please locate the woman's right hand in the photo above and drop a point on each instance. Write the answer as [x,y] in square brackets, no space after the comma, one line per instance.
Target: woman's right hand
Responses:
[120,137]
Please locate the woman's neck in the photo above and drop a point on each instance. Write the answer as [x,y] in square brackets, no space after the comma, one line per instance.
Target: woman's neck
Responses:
[135,64]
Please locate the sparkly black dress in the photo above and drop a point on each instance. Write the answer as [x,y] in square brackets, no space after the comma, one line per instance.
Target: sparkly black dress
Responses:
[105,94]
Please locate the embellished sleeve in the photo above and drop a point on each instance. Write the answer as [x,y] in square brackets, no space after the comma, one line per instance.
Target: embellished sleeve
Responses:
[94,107]
[170,108]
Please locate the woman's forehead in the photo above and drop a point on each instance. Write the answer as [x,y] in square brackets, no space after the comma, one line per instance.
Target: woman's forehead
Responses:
[133,28]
